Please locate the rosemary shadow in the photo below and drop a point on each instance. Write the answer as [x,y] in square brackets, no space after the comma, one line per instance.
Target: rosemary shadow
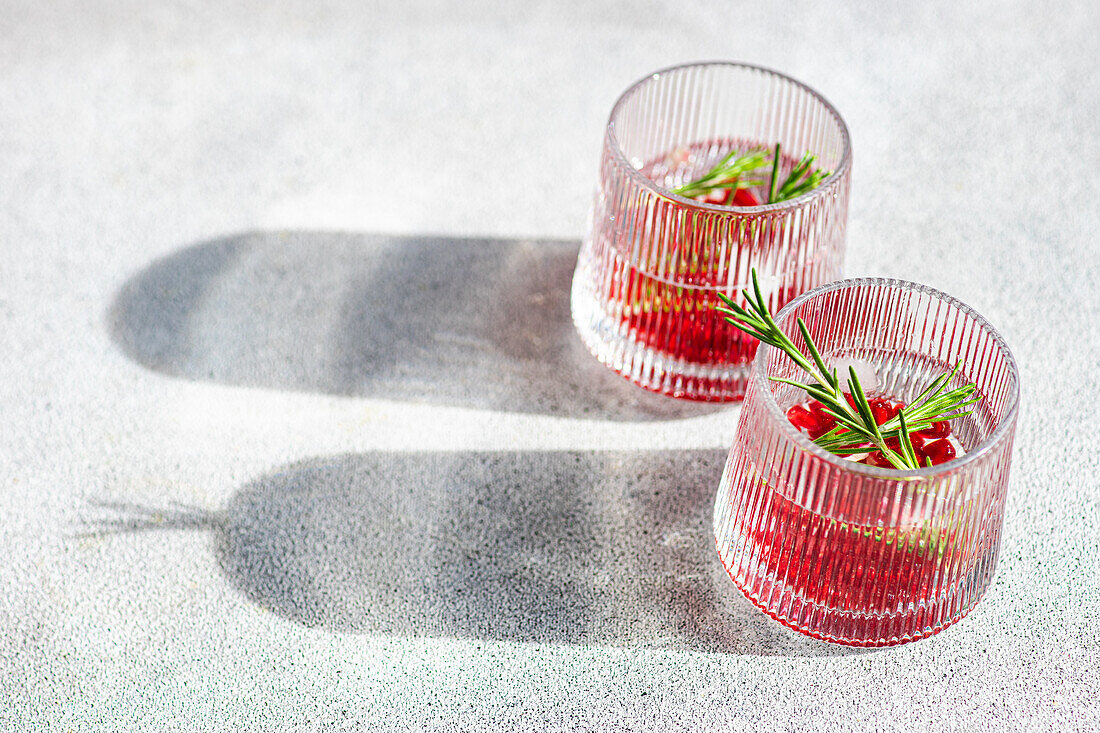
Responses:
[480,323]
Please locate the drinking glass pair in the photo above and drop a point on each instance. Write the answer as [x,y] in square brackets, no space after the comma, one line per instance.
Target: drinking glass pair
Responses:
[839,550]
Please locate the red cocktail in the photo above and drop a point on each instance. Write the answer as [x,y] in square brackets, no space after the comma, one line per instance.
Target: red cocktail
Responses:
[844,548]
[651,266]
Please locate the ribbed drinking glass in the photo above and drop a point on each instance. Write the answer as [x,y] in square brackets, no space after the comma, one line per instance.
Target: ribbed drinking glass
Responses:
[652,261]
[852,553]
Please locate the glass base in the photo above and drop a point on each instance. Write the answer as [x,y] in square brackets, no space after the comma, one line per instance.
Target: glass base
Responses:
[611,342]
[845,627]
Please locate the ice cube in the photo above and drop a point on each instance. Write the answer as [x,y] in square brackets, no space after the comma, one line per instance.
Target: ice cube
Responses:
[868,378]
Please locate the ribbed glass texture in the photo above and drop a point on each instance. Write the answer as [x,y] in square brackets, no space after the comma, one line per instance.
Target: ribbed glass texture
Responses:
[651,263]
[851,553]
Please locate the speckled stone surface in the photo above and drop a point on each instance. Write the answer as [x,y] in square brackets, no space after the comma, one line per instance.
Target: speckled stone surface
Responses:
[296,433]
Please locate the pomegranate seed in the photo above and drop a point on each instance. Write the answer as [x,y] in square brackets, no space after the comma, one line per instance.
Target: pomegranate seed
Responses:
[814,422]
[877,459]
[880,408]
[939,451]
[916,439]
[745,197]
[851,400]
[892,408]
[802,418]
[936,430]
[825,421]
[824,425]
[714,197]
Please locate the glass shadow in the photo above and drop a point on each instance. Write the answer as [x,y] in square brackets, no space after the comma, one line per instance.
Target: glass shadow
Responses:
[592,548]
[481,323]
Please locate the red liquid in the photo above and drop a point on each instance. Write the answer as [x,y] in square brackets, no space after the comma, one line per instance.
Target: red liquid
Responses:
[888,570]
[679,320]
[888,573]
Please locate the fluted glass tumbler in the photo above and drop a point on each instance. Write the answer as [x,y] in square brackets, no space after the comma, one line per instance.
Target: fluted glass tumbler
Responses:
[852,553]
[652,262]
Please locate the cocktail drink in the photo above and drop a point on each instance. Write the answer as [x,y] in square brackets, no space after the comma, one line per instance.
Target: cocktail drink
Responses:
[653,261]
[841,547]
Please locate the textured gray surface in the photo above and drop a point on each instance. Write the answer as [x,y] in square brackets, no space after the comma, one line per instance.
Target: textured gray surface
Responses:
[256,477]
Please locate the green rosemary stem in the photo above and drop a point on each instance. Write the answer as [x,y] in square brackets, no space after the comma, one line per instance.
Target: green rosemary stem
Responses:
[775,174]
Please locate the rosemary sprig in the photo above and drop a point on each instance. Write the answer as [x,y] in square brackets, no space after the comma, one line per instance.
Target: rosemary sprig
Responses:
[727,173]
[856,430]
[934,404]
[730,172]
[801,179]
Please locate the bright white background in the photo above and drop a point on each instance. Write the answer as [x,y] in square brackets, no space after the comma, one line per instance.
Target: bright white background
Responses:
[349,471]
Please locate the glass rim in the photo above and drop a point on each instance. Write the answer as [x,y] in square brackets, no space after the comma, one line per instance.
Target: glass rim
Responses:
[757,371]
[829,184]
